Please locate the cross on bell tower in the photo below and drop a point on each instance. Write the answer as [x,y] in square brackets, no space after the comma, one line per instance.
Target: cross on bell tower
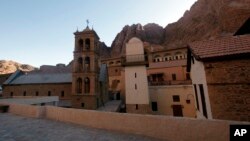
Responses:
[87,21]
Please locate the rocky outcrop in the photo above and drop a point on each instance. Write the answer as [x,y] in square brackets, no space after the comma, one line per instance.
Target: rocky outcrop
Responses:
[58,68]
[206,19]
[11,66]
[104,51]
[151,33]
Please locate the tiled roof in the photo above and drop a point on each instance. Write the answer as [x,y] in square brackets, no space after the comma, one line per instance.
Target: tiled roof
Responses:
[41,78]
[226,46]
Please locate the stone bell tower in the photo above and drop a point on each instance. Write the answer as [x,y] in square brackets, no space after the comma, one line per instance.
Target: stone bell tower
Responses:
[85,72]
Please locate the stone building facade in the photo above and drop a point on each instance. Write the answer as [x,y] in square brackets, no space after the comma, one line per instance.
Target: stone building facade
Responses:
[82,84]
[85,76]
[170,86]
[220,73]
[21,84]
[116,83]
[136,86]
[170,89]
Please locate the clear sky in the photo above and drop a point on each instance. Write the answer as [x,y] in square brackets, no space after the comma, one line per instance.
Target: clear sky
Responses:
[38,32]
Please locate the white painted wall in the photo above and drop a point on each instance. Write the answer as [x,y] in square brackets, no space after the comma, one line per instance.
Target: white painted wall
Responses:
[136,94]
[134,47]
[141,94]
[199,77]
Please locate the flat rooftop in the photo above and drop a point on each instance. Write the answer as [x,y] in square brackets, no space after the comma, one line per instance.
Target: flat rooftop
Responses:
[30,100]
[29,129]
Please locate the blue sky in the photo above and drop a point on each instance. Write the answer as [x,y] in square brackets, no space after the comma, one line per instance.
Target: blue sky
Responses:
[38,32]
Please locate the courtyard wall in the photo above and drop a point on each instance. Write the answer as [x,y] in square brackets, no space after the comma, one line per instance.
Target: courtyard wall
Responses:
[161,127]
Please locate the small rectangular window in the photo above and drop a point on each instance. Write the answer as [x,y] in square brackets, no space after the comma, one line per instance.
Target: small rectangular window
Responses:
[136,106]
[188,76]
[135,75]
[176,98]
[37,93]
[173,76]
[154,106]
[203,100]
[83,104]
[62,93]
[11,93]
[135,86]
[196,97]
[49,93]
[24,93]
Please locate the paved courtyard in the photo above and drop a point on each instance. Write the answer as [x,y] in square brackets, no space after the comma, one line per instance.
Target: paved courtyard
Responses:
[17,128]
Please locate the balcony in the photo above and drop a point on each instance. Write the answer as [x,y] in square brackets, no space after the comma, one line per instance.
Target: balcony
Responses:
[169,82]
[134,60]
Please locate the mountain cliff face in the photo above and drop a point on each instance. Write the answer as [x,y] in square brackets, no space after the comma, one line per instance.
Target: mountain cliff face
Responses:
[11,66]
[151,33]
[104,51]
[206,19]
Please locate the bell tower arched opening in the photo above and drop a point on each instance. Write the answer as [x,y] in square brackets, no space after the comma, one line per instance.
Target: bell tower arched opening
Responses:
[80,45]
[79,86]
[86,85]
[87,44]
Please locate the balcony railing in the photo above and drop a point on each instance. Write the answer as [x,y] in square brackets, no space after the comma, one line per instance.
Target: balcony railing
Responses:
[170,82]
[130,60]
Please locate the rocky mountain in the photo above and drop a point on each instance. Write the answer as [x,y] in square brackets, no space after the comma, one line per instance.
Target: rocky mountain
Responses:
[11,66]
[151,33]
[206,19]
[104,51]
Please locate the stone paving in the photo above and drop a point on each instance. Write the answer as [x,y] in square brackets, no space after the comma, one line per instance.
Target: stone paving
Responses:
[17,128]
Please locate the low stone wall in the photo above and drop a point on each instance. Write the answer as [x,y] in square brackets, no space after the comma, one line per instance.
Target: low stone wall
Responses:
[161,127]
[27,110]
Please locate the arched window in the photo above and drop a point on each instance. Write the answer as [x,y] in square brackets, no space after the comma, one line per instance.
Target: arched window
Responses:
[87,63]
[86,85]
[167,57]
[111,63]
[79,85]
[80,45]
[157,58]
[87,44]
[79,64]
[178,55]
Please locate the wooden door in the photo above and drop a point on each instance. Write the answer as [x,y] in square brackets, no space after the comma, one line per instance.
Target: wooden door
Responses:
[177,110]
